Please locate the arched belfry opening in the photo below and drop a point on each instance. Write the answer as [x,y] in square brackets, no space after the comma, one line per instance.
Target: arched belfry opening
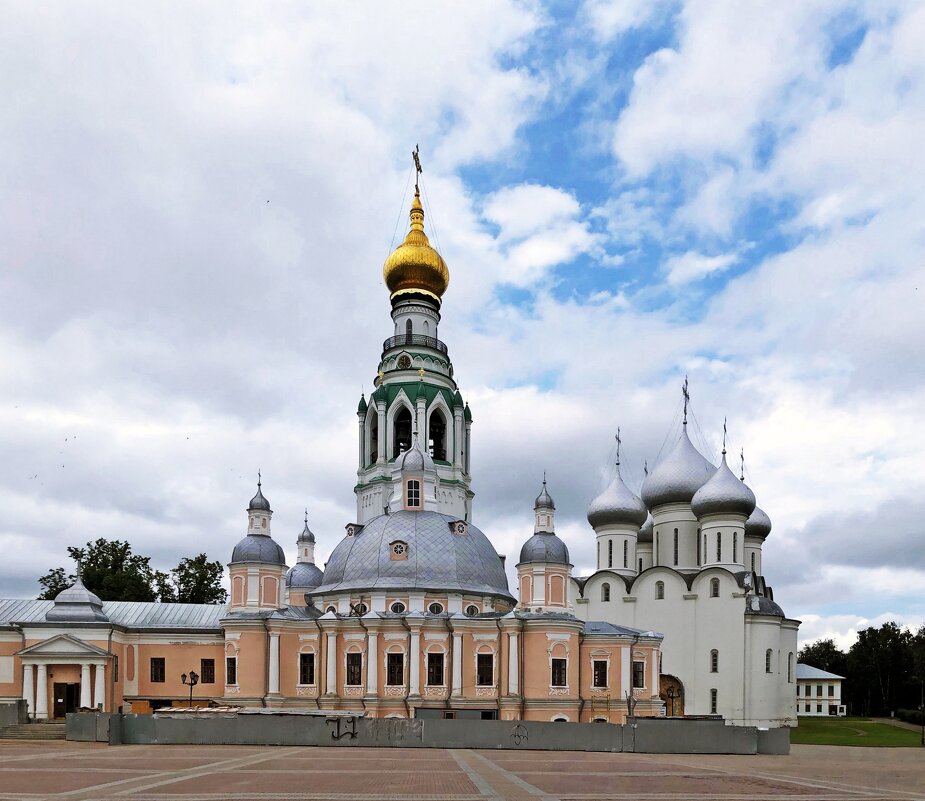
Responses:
[373,453]
[409,330]
[401,440]
[436,426]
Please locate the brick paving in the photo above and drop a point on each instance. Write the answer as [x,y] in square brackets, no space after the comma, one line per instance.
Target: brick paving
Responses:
[89,771]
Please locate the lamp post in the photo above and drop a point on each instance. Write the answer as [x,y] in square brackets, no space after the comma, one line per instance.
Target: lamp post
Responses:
[671,696]
[193,681]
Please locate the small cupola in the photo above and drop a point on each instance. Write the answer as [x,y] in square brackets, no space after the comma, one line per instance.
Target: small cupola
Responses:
[544,511]
[77,604]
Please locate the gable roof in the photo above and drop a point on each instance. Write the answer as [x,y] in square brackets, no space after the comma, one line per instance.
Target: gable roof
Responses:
[62,645]
[125,614]
[810,672]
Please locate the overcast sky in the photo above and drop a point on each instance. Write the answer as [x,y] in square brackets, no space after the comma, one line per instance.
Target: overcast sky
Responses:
[196,201]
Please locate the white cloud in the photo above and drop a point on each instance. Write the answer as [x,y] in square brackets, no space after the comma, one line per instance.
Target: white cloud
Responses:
[692,266]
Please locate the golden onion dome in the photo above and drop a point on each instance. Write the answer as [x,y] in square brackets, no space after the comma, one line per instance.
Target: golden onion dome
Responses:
[414,266]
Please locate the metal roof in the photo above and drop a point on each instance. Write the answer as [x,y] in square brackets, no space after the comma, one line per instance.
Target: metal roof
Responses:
[810,672]
[130,614]
[602,627]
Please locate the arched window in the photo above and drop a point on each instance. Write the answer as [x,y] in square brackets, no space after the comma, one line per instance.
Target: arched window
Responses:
[767,660]
[397,608]
[719,546]
[699,556]
[640,564]
[790,668]
[626,549]
[735,546]
[676,547]
[437,429]
[609,553]
[426,328]
[753,562]
[704,548]
[714,661]
[373,440]
[435,608]
[714,588]
[598,555]
[401,439]
[714,701]
[656,548]
[409,331]
[659,590]
[413,495]
[605,591]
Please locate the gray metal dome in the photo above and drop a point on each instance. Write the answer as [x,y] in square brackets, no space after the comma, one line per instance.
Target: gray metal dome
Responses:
[415,460]
[436,558]
[258,548]
[758,524]
[306,535]
[304,574]
[77,603]
[645,533]
[546,548]
[258,502]
[678,476]
[723,494]
[544,499]
[761,605]
[617,504]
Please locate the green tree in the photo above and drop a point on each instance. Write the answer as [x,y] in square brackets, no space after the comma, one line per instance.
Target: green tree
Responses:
[825,655]
[54,581]
[879,666]
[199,581]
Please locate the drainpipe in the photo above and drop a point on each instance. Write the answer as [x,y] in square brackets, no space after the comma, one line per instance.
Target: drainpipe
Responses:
[451,648]
[520,668]
[321,638]
[581,698]
[404,622]
[366,641]
[112,675]
[266,663]
[22,639]
[498,677]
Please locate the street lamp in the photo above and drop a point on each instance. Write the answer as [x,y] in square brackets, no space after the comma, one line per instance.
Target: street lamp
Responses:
[671,696]
[193,681]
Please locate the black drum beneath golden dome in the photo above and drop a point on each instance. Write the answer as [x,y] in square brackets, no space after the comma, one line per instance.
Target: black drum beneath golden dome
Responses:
[414,267]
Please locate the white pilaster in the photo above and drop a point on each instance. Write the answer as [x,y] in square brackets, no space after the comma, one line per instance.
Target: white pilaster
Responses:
[513,664]
[457,663]
[273,684]
[28,689]
[626,671]
[362,434]
[331,680]
[457,437]
[372,663]
[41,692]
[423,433]
[380,408]
[415,666]
[85,698]
[99,688]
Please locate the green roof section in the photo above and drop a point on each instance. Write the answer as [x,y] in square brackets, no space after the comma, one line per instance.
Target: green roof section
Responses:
[361,409]
[467,414]
[457,400]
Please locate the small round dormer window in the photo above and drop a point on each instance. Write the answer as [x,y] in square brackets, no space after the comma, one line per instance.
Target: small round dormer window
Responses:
[472,610]
[360,609]
[460,527]
[397,608]
[404,361]
[398,548]
[435,608]
[332,609]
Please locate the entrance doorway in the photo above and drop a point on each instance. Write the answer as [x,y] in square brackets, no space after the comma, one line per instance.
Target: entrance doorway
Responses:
[67,697]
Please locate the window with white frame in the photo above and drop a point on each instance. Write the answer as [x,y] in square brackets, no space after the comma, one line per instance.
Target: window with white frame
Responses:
[559,672]
[354,669]
[485,669]
[599,673]
[605,591]
[307,668]
[768,655]
[231,670]
[435,669]
[395,669]
[659,590]
[413,494]
[714,588]
[639,675]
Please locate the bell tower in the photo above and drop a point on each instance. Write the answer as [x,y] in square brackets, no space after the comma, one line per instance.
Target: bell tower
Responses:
[415,391]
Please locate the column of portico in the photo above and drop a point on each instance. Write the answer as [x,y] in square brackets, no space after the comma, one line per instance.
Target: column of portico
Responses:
[41,691]
[513,664]
[86,700]
[372,663]
[273,683]
[28,689]
[414,686]
[626,671]
[457,663]
[99,690]
[331,678]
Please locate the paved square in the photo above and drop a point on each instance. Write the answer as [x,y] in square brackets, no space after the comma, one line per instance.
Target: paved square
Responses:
[88,771]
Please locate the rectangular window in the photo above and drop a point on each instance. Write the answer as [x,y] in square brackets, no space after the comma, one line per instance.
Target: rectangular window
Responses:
[354,669]
[600,673]
[818,689]
[485,670]
[626,550]
[395,670]
[610,553]
[714,701]
[207,671]
[158,669]
[559,673]
[231,670]
[735,546]
[115,668]
[306,668]
[819,708]
[414,493]
[435,670]
[719,546]
[831,691]
[806,707]
[676,546]
[639,675]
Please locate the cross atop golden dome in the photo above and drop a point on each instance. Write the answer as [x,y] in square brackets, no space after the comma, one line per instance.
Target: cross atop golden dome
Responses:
[414,267]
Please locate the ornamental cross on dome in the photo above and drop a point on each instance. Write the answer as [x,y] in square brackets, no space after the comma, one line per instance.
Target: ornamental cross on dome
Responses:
[418,169]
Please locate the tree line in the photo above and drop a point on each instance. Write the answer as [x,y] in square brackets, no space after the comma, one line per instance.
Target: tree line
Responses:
[884,669]
[112,571]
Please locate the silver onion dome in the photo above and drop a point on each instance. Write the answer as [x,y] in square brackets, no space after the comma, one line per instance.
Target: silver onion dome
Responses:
[415,460]
[306,534]
[758,524]
[77,603]
[258,548]
[645,533]
[617,504]
[545,548]
[544,499]
[258,502]
[304,575]
[723,494]
[678,476]
[434,557]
